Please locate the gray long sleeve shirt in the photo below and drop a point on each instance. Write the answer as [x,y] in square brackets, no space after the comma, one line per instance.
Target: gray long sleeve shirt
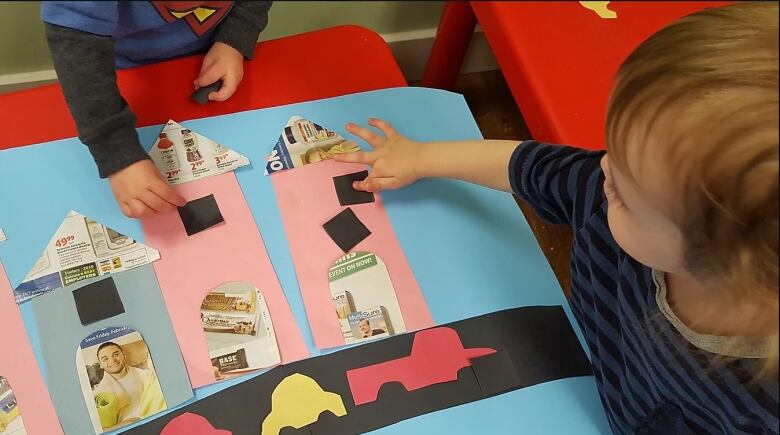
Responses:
[89,40]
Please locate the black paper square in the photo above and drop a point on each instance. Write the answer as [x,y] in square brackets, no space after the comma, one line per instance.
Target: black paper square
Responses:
[98,301]
[201,95]
[495,373]
[200,214]
[346,230]
[347,194]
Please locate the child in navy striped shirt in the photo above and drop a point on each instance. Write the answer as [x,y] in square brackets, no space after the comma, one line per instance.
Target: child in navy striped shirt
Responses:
[675,256]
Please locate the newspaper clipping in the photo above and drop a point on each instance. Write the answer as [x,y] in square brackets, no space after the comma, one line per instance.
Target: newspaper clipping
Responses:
[182,155]
[238,330]
[303,142]
[364,298]
[118,378]
[10,416]
[82,249]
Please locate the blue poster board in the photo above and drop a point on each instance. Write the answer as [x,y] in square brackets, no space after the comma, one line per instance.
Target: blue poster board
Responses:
[470,248]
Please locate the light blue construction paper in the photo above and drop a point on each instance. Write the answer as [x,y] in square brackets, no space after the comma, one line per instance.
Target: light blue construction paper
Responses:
[559,407]
[61,333]
[470,248]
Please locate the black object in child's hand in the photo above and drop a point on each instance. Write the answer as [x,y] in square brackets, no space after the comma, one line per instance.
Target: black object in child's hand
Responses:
[201,95]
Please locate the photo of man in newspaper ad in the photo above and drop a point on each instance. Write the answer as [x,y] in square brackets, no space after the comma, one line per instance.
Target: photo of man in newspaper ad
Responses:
[118,378]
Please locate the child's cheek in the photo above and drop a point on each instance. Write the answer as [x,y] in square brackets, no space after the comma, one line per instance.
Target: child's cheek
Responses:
[620,229]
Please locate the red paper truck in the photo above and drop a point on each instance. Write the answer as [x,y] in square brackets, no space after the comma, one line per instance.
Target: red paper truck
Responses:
[192,424]
[437,356]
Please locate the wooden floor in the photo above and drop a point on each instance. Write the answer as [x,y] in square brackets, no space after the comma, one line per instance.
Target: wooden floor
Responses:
[496,113]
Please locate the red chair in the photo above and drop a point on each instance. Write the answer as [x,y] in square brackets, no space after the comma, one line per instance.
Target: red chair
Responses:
[558,57]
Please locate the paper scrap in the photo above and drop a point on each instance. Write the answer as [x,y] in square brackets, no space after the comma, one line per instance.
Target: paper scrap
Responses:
[346,230]
[303,142]
[347,194]
[298,401]
[192,424]
[98,301]
[437,356]
[200,214]
[81,249]
[364,298]
[238,330]
[10,415]
[496,373]
[182,155]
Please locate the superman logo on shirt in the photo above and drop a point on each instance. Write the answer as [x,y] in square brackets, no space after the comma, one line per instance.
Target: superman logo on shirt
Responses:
[199,16]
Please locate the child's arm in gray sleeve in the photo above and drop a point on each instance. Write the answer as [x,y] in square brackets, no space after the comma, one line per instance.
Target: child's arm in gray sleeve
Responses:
[242,26]
[85,67]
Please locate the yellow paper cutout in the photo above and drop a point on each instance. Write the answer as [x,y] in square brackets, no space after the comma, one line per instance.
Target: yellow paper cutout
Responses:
[200,13]
[600,8]
[298,401]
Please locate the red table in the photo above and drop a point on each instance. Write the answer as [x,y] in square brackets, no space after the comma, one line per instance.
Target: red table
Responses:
[559,58]
[325,63]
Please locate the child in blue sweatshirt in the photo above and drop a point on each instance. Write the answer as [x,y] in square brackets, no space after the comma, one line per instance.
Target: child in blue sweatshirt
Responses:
[89,40]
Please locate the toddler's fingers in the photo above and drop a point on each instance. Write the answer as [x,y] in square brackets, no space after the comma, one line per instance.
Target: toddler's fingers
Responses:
[138,209]
[366,134]
[229,86]
[384,127]
[125,210]
[153,201]
[207,77]
[366,158]
[377,184]
[167,193]
[206,64]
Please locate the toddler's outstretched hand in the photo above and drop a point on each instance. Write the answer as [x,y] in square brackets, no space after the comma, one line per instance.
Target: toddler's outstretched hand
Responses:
[394,159]
[141,192]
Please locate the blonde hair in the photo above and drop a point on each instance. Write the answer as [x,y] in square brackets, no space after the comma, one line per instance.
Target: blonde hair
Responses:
[704,92]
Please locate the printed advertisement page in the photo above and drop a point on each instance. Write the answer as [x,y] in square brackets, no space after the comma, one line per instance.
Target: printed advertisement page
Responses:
[364,298]
[82,249]
[182,155]
[303,142]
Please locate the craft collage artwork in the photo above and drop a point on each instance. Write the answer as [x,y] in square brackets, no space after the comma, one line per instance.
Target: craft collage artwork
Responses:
[126,330]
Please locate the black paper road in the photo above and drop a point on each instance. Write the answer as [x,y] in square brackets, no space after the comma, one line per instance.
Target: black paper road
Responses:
[534,344]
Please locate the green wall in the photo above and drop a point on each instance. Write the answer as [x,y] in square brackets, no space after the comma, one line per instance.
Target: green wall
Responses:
[23,46]
[22,43]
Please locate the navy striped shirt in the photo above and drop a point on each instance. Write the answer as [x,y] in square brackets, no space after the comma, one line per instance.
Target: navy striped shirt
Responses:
[650,378]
